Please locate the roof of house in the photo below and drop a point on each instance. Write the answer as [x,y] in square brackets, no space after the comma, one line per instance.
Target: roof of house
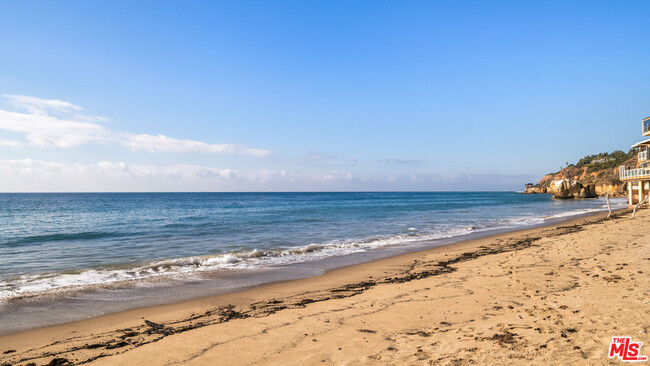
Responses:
[642,143]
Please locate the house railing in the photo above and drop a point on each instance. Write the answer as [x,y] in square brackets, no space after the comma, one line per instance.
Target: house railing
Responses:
[632,173]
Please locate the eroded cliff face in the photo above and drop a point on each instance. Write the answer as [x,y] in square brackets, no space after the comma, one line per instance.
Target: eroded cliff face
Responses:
[605,181]
[570,188]
[612,190]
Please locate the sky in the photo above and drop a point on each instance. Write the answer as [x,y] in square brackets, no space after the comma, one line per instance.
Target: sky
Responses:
[314,95]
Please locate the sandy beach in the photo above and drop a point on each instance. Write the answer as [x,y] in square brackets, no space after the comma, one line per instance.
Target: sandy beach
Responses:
[550,295]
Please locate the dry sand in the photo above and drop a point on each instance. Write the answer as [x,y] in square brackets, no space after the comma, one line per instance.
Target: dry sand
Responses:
[552,295]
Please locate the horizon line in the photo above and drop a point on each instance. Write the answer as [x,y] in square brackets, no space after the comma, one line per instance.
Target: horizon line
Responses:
[342,191]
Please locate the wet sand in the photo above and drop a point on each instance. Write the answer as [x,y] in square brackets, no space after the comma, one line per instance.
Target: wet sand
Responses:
[550,295]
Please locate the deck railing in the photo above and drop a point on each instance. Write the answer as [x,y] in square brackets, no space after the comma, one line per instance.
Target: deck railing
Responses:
[632,173]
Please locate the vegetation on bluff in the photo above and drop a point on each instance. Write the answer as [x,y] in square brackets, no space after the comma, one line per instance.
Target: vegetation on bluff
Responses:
[606,160]
[598,169]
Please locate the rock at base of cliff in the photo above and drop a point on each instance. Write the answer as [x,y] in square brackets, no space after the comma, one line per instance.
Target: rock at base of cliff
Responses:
[535,190]
[569,188]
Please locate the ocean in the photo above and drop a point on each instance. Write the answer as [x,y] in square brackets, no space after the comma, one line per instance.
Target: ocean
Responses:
[97,250]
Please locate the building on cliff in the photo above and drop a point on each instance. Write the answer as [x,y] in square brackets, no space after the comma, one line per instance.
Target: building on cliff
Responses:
[638,177]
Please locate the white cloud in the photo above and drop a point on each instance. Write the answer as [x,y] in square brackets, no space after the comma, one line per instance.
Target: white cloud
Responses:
[40,106]
[81,117]
[46,130]
[161,143]
[20,175]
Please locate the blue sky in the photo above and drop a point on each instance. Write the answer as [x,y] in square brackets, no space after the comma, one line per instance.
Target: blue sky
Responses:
[314,95]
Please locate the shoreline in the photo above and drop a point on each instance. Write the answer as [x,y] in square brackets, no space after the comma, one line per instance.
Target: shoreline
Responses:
[105,335]
[213,286]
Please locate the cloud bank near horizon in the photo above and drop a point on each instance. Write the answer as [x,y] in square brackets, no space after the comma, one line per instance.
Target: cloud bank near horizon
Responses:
[26,175]
[43,126]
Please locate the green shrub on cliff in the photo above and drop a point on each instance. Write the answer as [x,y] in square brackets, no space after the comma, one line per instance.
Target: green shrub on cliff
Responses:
[611,160]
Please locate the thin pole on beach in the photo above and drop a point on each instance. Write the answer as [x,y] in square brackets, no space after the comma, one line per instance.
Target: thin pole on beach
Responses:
[639,204]
[609,207]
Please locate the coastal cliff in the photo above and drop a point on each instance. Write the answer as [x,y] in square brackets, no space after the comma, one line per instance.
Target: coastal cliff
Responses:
[598,172]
